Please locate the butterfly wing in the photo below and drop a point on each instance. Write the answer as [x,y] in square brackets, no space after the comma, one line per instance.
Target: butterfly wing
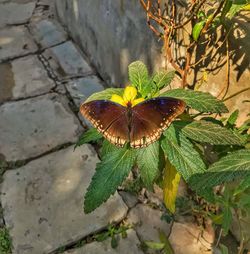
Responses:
[109,118]
[151,117]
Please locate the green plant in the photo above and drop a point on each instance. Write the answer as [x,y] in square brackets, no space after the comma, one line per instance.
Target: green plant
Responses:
[5,241]
[164,245]
[113,232]
[179,150]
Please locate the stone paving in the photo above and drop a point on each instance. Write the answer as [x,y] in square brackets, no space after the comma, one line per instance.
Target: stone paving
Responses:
[44,77]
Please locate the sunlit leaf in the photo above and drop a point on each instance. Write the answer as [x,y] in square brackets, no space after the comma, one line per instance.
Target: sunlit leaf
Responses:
[203,102]
[110,173]
[105,94]
[171,180]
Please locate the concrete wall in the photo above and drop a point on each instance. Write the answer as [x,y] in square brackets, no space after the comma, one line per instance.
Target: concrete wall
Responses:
[112,34]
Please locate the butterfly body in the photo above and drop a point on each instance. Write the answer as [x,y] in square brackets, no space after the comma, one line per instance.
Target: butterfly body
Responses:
[139,125]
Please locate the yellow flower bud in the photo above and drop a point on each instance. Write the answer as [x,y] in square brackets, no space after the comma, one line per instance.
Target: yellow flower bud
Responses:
[130,93]
[136,101]
[118,99]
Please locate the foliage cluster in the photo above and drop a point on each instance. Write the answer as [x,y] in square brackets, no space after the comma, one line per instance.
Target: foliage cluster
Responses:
[180,152]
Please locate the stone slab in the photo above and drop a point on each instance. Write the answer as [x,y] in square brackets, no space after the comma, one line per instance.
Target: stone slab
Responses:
[67,61]
[185,239]
[43,201]
[147,222]
[125,245]
[31,127]
[15,13]
[81,89]
[48,33]
[14,42]
[22,78]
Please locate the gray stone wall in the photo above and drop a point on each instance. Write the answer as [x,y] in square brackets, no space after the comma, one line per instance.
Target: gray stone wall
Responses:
[112,34]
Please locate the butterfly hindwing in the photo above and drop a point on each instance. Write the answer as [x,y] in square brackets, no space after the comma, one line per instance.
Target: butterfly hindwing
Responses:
[151,117]
[109,118]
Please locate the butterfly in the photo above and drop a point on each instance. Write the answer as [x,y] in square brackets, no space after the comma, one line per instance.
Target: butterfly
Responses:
[139,125]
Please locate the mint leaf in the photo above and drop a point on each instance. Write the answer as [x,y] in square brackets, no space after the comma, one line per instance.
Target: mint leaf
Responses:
[208,132]
[202,102]
[138,75]
[105,94]
[228,168]
[110,173]
[163,78]
[181,154]
[148,163]
[90,135]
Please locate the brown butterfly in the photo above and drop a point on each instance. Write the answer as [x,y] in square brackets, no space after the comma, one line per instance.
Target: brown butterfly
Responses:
[139,125]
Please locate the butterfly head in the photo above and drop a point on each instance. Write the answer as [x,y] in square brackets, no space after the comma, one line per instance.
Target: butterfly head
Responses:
[129,97]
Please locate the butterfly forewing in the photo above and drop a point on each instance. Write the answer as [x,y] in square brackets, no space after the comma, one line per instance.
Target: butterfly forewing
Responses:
[109,118]
[151,117]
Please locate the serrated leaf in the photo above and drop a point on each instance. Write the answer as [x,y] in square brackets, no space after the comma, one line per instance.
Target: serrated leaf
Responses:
[203,102]
[105,94]
[138,75]
[197,29]
[163,78]
[171,180]
[228,168]
[90,135]
[107,148]
[110,173]
[148,163]
[208,132]
[181,154]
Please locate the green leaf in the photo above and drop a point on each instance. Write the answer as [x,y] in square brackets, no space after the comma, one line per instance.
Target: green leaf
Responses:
[197,29]
[181,153]
[168,249]
[244,202]
[90,135]
[171,180]
[154,245]
[203,102]
[163,78]
[105,94]
[114,242]
[110,173]
[226,8]
[228,168]
[223,249]
[233,117]
[138,75]
[107,147]
[236,8]
[208,132]
[227,218]
[148,163]
[243,185]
